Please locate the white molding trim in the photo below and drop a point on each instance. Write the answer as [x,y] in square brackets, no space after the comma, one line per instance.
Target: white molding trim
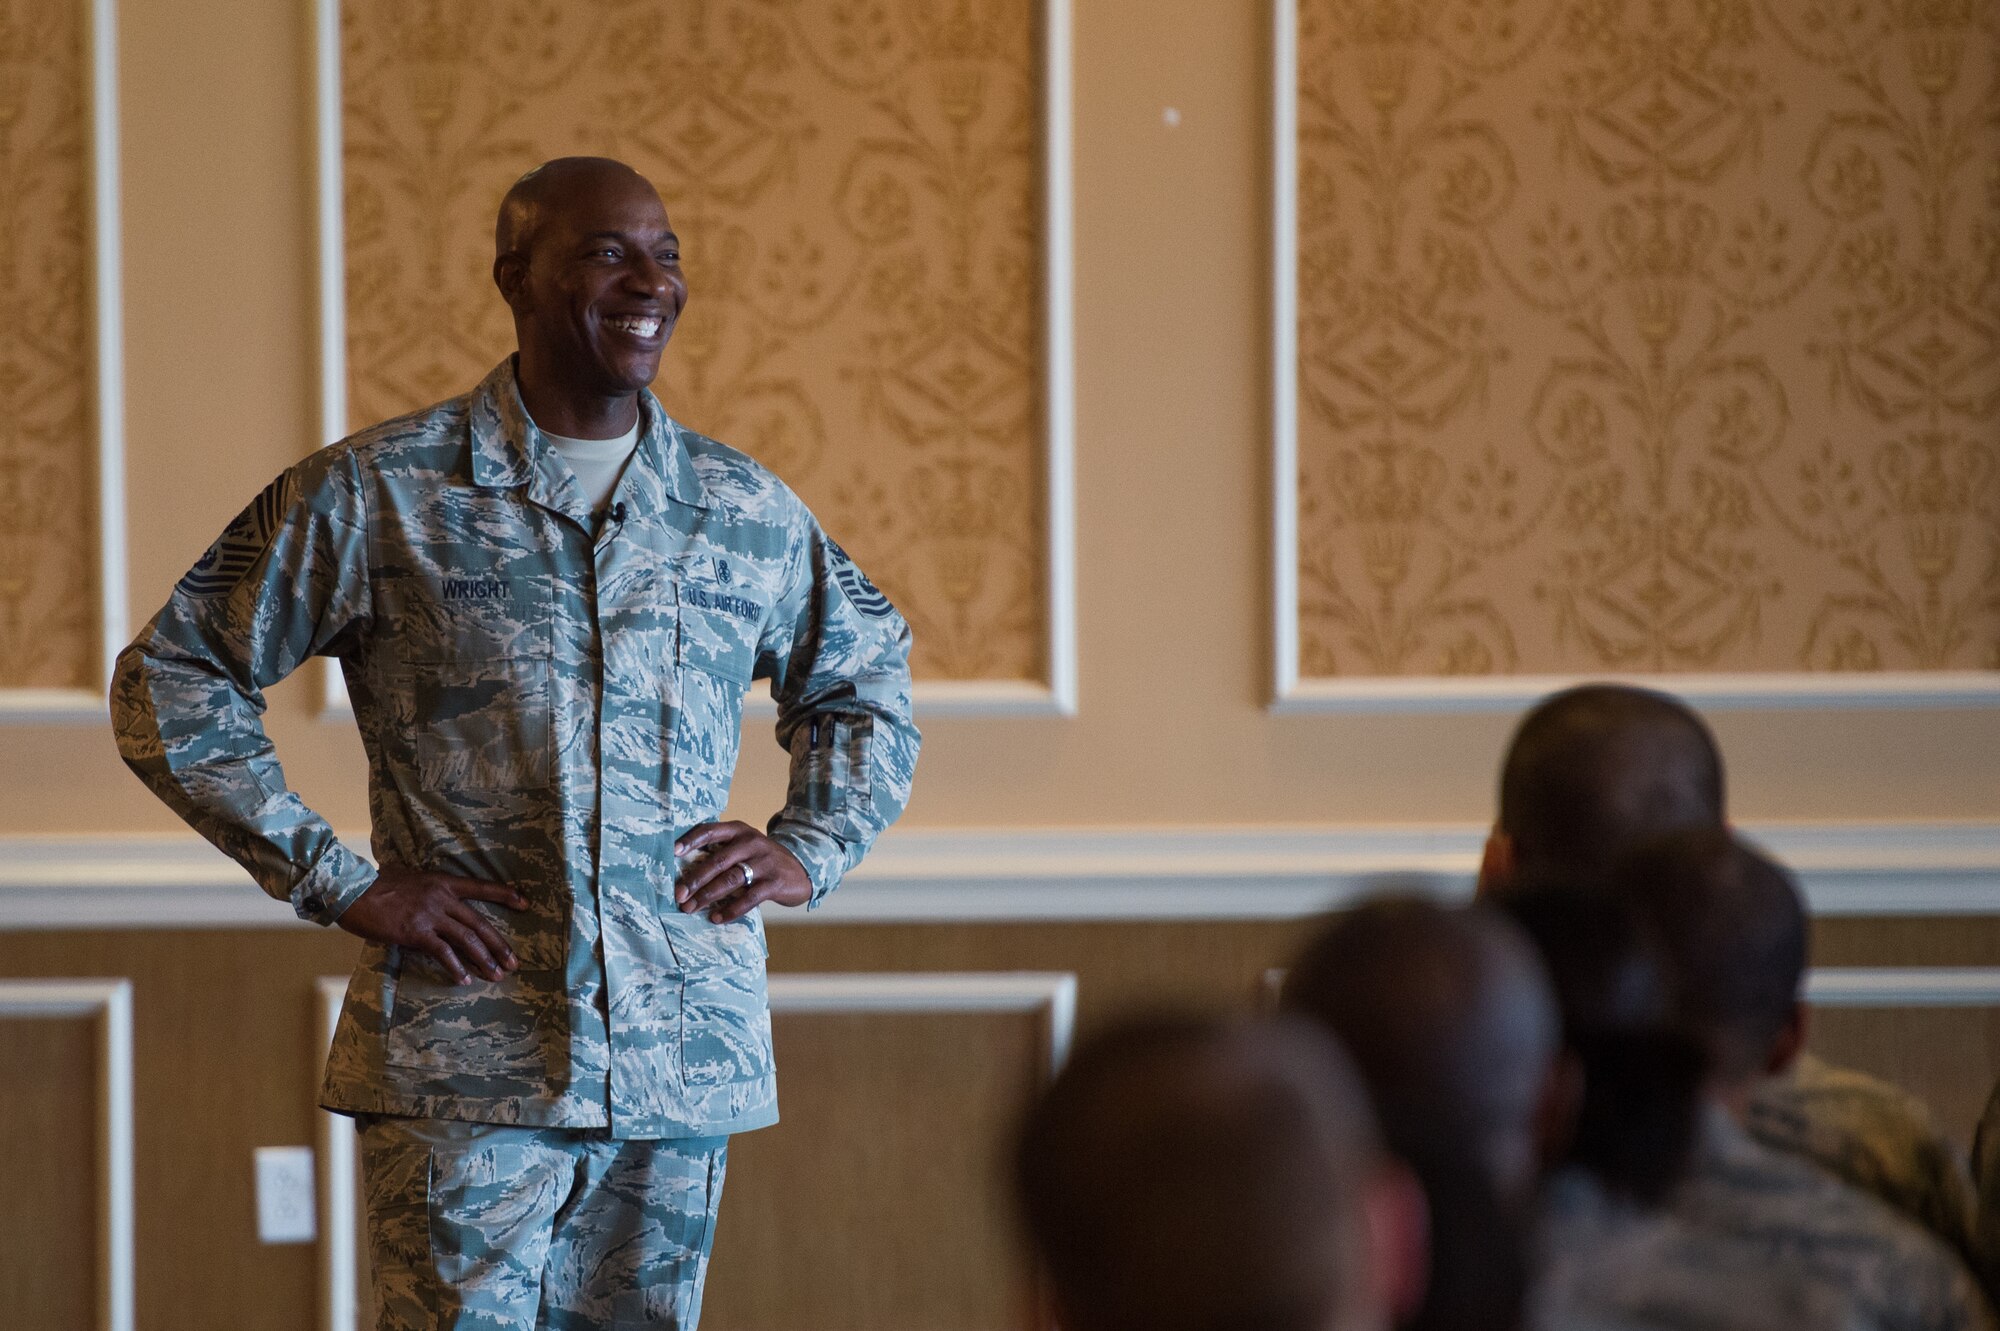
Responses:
[1775,691]
[61,706]
[1285,349]
[1904,986]
[1051,993]
[113,1000]
[1292,693]
[339,1259]
[923,875]
[1054,696]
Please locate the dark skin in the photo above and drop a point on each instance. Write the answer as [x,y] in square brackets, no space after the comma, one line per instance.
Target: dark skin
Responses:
[590,266]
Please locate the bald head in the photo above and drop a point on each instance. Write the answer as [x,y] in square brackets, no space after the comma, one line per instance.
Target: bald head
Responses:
[1732,929]
[1194,1175]
[1450,1020]
[1594,771]
[548,187]
[591,268]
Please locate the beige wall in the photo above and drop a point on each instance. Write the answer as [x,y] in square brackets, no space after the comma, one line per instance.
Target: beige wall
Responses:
[1172,264]
[1172,468]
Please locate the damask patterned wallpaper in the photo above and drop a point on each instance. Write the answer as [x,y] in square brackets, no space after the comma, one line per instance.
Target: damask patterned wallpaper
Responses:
[48,537]
[1655,335]
[857,190]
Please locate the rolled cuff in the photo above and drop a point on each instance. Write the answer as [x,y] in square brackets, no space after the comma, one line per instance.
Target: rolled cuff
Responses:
[333,883]
[823,855]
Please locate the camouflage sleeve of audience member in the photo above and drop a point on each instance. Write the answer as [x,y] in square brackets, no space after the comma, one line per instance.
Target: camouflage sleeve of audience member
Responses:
[1986,1187]
[838,657]
[285,579]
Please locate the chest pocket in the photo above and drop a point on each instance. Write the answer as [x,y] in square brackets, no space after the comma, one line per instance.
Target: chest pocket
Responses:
[715,653]
[479,656]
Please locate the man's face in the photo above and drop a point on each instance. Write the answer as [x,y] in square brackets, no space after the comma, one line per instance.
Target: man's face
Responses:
[597,295]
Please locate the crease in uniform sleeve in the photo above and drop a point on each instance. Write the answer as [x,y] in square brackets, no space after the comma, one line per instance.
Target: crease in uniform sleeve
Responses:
[839,663]
[286,578]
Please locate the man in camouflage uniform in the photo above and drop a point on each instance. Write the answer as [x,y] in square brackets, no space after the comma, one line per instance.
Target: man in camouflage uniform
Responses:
[1880,1138]
[560,1014]
[1595,771]
[1731,926]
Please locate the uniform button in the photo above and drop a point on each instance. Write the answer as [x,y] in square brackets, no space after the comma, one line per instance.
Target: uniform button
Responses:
[315,904]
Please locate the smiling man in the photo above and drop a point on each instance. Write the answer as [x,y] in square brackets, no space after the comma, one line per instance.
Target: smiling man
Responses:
[548,599]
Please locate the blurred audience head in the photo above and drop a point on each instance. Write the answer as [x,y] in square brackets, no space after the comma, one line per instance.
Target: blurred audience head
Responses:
[1593,772]
[1641,1076]
[1189,1174]
[1450,1021]
[1732,928]
[1448,1015]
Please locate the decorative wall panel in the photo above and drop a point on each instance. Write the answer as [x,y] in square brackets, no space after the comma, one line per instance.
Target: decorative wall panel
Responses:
[48,441]
[890,1156]
[48,1100]
[1646,337]
[858,191]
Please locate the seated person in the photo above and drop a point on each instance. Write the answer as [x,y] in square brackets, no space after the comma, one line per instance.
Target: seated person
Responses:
[1450,1021]
[1592,773]
[1732,931]
[1202,1175]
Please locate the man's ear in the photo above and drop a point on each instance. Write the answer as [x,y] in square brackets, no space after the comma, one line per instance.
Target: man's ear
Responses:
[510,274]
[1791,1042]
[1399,1240]
[1496,864]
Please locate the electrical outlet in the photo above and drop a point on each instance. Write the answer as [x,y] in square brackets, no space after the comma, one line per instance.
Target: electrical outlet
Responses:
[286,1209]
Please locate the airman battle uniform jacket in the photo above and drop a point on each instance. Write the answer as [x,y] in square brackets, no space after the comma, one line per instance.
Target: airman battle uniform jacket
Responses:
[546,703]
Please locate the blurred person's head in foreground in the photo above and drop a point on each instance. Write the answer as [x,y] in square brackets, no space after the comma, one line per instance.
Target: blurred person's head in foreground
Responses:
[1595,771]
[1449,1017]
[1451,1023]
[1732,928]
[1191,1174]
[1642,1075]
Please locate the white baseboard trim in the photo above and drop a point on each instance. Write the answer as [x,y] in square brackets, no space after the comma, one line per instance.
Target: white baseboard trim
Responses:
[1031,874]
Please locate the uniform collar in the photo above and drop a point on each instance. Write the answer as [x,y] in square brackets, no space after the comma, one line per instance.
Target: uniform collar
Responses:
[508,451]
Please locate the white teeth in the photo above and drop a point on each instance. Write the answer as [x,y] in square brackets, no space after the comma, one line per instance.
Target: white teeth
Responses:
[638,327]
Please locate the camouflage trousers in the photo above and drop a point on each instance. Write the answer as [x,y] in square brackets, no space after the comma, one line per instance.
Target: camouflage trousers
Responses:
[480,1225]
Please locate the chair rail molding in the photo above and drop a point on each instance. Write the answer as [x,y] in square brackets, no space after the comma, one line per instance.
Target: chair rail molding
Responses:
[1903,986]
[921,875]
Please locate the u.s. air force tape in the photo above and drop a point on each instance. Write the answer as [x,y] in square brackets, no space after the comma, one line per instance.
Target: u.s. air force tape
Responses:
[865,596]
[241,542]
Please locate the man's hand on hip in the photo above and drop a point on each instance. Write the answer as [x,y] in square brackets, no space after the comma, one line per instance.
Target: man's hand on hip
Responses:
[432,913]
[742,867]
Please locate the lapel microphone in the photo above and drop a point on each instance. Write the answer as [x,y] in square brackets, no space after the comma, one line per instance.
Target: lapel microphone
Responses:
[618,511]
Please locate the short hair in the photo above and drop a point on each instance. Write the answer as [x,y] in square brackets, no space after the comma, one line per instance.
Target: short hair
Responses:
[1193,1174]
[1639,1115]
[1449,1018]
[1733,929]
[1445,1011]
[1595,770]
